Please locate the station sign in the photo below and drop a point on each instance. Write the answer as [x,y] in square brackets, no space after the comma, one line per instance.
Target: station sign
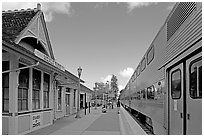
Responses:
[36,121]
[48,59]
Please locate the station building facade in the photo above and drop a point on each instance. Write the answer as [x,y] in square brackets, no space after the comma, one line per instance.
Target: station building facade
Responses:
[36,90]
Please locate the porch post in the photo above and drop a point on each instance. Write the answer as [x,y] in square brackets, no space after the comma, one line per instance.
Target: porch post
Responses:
[13,95]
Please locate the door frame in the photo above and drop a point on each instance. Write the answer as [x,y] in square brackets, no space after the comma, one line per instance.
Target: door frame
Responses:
[181,59]
[189,62]
[66,104]
[171,70]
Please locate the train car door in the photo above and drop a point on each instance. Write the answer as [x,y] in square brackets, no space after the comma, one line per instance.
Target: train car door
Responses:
[194,94]
[176,100]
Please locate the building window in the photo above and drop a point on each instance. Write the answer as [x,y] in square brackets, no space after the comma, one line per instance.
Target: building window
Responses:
[143,64]
[68,90]
[196,79]
[46,87]
[74,104]
[23,89]
[176,84]
[5,87]
[59,98]
[36,89]
[150,55]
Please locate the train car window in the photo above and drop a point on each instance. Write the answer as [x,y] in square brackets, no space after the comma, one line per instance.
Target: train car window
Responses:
[150,92]
[196,79]
[138,70]
[150,55]
[135,75]
[143,64]
[176,84]
[143,94]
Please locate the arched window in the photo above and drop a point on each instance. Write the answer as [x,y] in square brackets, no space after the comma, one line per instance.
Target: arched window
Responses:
[32,43]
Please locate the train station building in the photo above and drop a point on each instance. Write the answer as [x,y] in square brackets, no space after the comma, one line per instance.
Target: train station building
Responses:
[36,90]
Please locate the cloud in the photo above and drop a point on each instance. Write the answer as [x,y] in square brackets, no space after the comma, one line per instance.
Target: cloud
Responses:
[132,5]
[107,78]
[48,8]
[55,7]
[101,4]
[127,72]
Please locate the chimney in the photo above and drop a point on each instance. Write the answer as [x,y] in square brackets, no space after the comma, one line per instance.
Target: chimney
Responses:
[38,6]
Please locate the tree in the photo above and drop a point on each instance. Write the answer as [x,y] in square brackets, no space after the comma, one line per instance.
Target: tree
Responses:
[114,86]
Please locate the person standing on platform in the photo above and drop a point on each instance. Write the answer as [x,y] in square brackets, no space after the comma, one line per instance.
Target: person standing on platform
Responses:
[118,106]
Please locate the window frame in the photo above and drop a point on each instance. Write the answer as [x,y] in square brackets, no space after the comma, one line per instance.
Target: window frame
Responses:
[22,89]
[149,61]
[7,65]
[138,70]
[197,82]
[143,62]
[143,94]
[46,93]
[74,104]
[152,90]
[35,91]
[180,83]
[135,75]
[59,98]
[68,90]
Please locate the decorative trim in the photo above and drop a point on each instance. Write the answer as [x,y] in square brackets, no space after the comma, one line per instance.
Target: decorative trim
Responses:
[6,114]
[34,111]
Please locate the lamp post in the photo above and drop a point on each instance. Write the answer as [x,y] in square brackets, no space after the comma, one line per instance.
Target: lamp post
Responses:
[78,93]
[95,98]
[107,90]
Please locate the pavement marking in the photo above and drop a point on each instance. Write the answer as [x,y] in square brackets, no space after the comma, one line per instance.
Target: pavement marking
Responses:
[107,122]
[122,129]
[126,125]
[101,133]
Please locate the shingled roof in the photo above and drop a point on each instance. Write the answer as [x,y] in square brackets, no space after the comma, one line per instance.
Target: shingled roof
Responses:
[13,22]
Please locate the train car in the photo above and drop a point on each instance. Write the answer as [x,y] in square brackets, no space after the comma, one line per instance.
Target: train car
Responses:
[165,91]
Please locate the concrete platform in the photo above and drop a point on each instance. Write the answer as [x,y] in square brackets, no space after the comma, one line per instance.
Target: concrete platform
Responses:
[129,124]
[94,123]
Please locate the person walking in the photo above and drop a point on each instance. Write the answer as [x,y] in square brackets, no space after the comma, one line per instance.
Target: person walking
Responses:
[118,106]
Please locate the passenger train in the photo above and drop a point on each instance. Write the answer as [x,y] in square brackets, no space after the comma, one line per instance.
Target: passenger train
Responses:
[165,90]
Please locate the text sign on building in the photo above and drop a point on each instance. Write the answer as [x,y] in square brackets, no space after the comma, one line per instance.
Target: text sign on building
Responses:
[36,121]
[48,59]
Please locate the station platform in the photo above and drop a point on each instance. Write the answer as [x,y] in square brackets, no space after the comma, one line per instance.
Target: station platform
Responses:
[94,123]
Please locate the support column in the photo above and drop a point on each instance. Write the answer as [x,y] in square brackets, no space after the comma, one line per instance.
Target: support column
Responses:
[41,90]
[63,105]
[13,95]
[51,96]
[30,90]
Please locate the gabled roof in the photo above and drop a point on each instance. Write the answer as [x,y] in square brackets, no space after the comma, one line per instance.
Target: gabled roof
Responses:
[17,25]
[13,22]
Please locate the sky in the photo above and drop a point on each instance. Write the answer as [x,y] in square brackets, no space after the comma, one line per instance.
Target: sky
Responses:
[103,38]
